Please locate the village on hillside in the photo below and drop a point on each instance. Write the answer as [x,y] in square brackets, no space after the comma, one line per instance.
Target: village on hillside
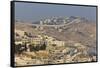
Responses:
[35,45]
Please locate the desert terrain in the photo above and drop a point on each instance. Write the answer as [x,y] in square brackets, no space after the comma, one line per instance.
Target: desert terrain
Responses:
[54,41]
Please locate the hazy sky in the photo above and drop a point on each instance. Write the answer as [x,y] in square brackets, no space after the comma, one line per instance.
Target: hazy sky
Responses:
[36,11]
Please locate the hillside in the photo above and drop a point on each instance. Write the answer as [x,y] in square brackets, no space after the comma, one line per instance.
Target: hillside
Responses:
[65,37]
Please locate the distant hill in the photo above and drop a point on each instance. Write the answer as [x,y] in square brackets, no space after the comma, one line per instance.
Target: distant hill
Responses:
[82,31]
[60,20]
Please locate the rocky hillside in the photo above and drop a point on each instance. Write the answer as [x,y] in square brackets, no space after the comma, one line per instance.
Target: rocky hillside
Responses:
[82,31]
[78,35]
